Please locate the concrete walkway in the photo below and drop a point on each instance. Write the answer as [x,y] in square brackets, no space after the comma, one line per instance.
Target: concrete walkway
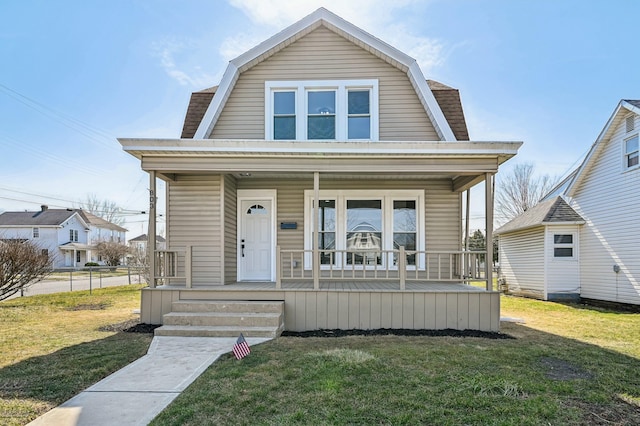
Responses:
[137,393]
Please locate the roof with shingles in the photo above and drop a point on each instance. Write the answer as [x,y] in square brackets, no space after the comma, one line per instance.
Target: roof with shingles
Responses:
[635,103]
[143,238]
[49,217]
[99,222]
[447,97]
[554,210]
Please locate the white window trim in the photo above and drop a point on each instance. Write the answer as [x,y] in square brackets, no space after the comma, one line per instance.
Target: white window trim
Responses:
[624,153]
[573,246]
[302,87]
[387,197]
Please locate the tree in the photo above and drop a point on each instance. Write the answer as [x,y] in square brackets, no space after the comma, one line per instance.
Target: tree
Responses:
[106,209]
[520,190]
[22,263]
[477,241]
[112,252]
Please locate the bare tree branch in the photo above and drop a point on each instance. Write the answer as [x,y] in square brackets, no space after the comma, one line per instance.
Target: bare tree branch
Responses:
[106,209]
[520,190]
[22,263]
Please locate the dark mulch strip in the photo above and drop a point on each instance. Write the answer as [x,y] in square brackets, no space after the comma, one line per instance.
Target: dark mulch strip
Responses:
[398,332]
[131,326]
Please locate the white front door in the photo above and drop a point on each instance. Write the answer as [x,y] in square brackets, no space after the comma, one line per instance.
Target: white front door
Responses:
[255,237]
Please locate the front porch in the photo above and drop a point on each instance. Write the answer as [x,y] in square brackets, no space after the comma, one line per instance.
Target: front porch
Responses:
[348,304]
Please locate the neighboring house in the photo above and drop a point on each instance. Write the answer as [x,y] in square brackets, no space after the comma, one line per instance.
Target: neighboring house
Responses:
[322,133]
[588,247]
[68,235]
[138,249]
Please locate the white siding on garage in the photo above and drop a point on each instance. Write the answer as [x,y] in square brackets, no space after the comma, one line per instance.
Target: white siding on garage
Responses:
[521,257]
[195,219]
[607,199]
[563,274]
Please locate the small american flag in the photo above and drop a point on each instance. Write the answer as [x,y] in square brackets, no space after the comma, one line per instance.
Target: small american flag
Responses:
[241,348]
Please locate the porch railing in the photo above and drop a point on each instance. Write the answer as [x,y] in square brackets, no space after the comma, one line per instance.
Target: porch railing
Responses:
[173,265]
[398,264]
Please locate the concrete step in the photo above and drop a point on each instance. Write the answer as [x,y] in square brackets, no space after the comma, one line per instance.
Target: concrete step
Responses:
[216,331]
[244,319]
[227,306]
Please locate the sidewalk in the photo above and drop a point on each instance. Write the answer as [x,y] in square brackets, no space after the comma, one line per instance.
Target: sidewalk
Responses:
[137,393]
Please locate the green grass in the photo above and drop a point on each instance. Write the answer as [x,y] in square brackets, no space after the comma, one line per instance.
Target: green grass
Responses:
[567,365]
[52,347]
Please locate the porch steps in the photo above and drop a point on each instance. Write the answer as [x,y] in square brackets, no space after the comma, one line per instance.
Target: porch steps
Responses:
[223,318]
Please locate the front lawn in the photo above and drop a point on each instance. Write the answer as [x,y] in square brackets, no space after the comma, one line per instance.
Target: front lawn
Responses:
[566,365]
[54,346]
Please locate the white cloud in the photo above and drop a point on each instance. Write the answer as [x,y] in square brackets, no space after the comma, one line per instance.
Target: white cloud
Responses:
[379,17]
[186,75]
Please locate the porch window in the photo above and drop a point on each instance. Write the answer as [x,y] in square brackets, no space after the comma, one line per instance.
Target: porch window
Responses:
[321,110]
[404,229]
[563,245]
[355,227]
[364,232]
[631,155]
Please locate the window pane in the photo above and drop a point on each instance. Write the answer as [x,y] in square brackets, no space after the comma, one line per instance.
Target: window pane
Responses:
[327,215]
[327,241]
[359,128]
[364,231]
[404,216]
[359,102]
[563,252]
[284,127]
[631,145]
[321,127]
[284,103]
[563,239]
[322,103]
[408,241]
[632,160]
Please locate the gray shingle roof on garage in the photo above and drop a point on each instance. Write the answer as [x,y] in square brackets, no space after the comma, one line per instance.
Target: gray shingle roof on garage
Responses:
[555,210]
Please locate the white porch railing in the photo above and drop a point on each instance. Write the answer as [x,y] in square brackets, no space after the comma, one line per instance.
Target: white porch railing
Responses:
[401,265]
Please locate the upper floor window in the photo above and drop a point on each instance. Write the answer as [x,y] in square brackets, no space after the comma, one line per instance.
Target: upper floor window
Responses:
[73,235]
[36,232]
[631,152]
[321,110]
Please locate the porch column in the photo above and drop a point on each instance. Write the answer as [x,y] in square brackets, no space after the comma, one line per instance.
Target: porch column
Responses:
[488,202]
[316,234]
[151,234]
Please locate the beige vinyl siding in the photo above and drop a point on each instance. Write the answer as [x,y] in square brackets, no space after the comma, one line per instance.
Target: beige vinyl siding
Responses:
[230,230]
[324,55]
[194,203]
[607,200]
[562,274]
[313,310]
[442,207]
[522,263]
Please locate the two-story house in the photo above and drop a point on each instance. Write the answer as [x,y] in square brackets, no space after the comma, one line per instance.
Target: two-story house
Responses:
[581,241]
[324,173]
[68,235]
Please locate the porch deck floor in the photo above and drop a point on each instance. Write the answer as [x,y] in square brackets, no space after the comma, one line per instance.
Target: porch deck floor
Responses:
[347,286]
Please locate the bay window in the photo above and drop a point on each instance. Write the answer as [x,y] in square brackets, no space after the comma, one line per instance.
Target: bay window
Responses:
[321,110]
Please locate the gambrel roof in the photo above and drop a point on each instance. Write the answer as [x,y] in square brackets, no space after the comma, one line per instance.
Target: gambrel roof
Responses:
[447,97]
[322,17]
[553,211]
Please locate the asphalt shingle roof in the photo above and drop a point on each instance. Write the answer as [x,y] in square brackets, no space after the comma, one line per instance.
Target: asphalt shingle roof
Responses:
[635,103]
[50,217]
[554,210]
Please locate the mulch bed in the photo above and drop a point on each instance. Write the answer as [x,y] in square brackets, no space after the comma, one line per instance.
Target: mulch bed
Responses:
[398,332]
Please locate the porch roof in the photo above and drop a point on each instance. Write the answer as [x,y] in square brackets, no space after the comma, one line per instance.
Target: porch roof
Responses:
[464,162]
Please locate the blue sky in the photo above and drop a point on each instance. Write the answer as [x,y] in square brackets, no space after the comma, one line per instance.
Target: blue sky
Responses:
[77,74]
